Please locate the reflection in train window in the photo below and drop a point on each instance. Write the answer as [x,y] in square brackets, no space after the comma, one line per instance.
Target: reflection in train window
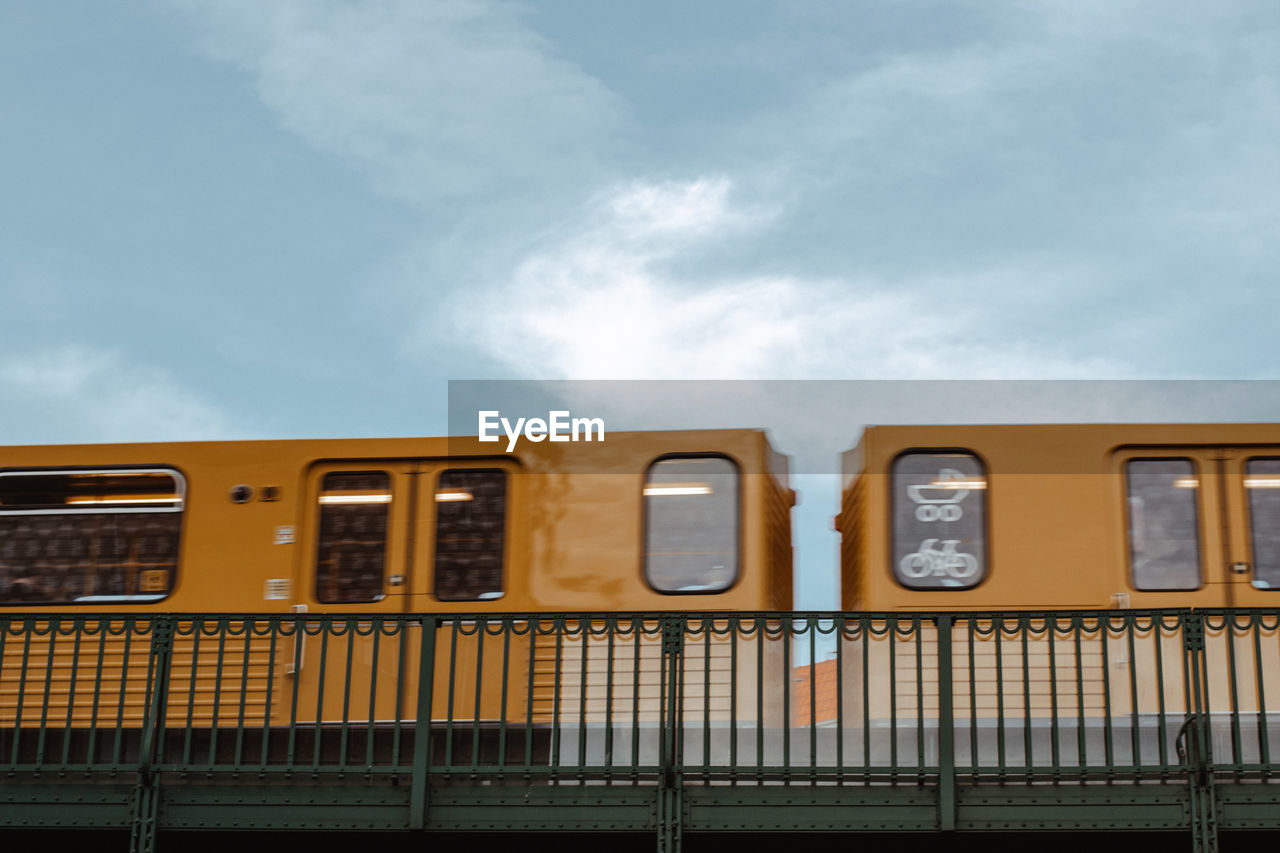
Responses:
[691,524]
[352,554]
[471,521]
[89,536]
[1164,531]
[939,520]
[1262,482]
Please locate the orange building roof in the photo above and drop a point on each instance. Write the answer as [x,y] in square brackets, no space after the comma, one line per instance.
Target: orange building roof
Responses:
[821,693]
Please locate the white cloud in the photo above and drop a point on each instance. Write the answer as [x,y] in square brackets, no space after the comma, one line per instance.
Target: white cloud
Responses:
[442,100]
[79,395]
[607,302]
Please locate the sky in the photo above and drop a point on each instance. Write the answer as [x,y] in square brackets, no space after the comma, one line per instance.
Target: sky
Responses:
[238,219]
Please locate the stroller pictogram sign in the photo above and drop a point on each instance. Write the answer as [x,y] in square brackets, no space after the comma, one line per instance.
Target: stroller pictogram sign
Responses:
[940,500]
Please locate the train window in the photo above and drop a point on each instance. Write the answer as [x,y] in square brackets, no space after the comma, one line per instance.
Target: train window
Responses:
[1164,531]
[89,536]
[352,554]
[939,520]
[1262,480]
[691,524]
[471,522]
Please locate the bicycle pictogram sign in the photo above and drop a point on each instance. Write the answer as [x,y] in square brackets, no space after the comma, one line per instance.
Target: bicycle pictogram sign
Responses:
[946,561]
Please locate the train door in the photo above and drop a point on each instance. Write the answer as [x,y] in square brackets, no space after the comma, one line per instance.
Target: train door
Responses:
[1173,528]
[467,550]
[1202,526]
[355,559]
[1250,486]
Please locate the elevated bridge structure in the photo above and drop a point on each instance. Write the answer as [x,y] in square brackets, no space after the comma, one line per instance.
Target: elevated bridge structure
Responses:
[645,723]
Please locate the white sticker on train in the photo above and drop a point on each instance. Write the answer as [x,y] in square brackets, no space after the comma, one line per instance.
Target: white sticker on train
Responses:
[558,426]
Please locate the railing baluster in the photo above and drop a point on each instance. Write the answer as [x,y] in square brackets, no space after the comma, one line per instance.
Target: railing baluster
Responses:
[326,629]
[559,627]
[864,637]
[477,701]
[402,638]
[344,732]
[707,628]
[217,691]
[1055,752]
[1108,741]
[454,625]
[974,757]
[610,629]
[1162,725]
[295,675]
[761,640]
[117,752]
[584,625]
[946,730]
[374,665]
[247,625]
[505,626]
[534,627]
[48,686]
[1229,637]
[1256,624]
[421,780]
[893,697]
[264,754]
[788,637]
[997,633]
[1082,720]
[1134,719]
[1024,630]
[78,626]
[838,633]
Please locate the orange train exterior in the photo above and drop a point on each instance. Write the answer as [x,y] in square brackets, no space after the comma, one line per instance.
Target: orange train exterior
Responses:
[1061,516]
[660,521]
[374,525]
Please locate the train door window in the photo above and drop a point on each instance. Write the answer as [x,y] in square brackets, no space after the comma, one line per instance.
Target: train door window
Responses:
[1262,482]
[352,554]
[471,522]
[1164,530]
[89,536]
[939,520]
[691,524]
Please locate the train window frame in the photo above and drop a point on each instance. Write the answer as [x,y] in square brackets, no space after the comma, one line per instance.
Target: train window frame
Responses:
[1199,476]
[178,507]
[504,564]
[737,522]
[387,541]
[1253,528]
[986,566]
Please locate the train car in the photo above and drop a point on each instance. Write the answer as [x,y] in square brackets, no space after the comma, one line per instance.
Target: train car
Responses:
[398,525]
[379,529]
[1089,571]
[1061,517]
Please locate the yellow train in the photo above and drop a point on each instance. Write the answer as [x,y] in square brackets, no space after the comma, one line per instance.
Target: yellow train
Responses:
[694,520]
[1120,520]
[934,519]
[376,529]
[1061,517]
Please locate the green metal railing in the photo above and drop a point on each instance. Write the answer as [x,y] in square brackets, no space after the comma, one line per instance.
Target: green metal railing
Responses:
[663,722]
